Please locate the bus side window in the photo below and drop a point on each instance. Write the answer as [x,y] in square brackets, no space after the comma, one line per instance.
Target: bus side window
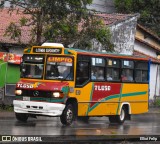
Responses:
[127,75]
[141,72]
[127,71]
[82,75]
[97,69]
[113,69]
[100,73]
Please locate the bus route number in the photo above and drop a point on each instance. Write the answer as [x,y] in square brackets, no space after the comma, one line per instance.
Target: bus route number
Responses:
[25,85]
[102,88]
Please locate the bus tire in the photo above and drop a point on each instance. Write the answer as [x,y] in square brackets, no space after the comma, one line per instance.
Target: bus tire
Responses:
[67,116]
[112,119]
[119,118]
[122,117]
[22,117]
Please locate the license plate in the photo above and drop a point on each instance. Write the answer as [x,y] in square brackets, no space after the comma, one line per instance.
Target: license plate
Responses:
[26,98]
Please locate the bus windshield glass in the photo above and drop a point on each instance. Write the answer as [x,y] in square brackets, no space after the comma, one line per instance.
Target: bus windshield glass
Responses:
[59,68]
[32,66]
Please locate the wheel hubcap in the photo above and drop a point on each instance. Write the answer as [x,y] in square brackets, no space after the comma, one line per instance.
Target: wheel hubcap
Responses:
[69,115]
[122,115]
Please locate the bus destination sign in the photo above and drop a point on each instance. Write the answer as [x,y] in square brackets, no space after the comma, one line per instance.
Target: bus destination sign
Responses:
[47,50]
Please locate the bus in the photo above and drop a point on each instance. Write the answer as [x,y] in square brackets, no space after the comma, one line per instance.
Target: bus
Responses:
[71,83]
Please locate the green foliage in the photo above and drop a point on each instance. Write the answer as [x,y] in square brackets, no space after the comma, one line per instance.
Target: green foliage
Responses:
[8,108]
[23,21]
[123,6]
[15,30]
[59,21]
[97,31]
[148,9]
[157,102]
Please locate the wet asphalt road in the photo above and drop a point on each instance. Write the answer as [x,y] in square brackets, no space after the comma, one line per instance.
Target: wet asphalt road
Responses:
[144,124]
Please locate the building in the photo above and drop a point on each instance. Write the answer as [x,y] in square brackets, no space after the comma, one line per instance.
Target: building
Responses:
[148,44]
[10,53]
[123,29]
[12,45]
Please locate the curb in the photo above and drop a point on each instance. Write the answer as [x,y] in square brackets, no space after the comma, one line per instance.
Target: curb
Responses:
[154,110]
[4,114]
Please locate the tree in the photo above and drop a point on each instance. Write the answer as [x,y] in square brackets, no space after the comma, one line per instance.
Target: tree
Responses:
[148,9]
[64,21]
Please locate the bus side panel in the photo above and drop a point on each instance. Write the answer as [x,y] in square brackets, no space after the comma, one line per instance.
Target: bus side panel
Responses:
[103,109]
[138,108]
[99,109]
[102,98]
[83,97]
[137,96]
[98,98]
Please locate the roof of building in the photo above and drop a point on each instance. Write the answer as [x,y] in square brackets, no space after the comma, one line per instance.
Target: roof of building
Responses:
[6,18]
[14,16]
[138,53]
[148,44]
[114,18]
[151,33]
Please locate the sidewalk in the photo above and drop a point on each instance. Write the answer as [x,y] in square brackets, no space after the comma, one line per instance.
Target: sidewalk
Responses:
[5,114]
[154,110]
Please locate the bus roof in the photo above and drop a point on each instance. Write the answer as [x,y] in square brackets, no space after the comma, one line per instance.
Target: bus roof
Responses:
[107,54]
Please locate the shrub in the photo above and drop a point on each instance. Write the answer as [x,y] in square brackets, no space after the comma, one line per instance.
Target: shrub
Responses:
[157,102]
[4,107]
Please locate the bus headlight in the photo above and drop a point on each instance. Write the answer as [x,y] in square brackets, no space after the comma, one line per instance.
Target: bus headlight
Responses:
[57,95]
[18,92]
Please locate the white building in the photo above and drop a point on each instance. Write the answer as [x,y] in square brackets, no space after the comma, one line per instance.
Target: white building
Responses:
[148,44]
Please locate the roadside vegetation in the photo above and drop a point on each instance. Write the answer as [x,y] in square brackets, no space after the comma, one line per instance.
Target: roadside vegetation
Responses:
[62,21]
[149,12]
[4,107]
[157,103]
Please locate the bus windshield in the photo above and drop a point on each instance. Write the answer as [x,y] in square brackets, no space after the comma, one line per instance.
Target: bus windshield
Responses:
[32,70]
[59,68]
[32,66]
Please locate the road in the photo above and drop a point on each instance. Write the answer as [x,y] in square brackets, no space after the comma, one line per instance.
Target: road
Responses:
[98,127]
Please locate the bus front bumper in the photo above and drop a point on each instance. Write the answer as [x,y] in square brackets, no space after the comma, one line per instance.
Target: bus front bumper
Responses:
[38,108]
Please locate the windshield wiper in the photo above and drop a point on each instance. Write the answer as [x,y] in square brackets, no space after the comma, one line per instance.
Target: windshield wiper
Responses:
[68,76]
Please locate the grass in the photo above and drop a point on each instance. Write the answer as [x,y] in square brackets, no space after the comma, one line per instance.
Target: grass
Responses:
[8,108]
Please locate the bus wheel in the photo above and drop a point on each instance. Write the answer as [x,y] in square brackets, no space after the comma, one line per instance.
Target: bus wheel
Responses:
[21,117]
[119,118]
[112,119]
[67,116]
